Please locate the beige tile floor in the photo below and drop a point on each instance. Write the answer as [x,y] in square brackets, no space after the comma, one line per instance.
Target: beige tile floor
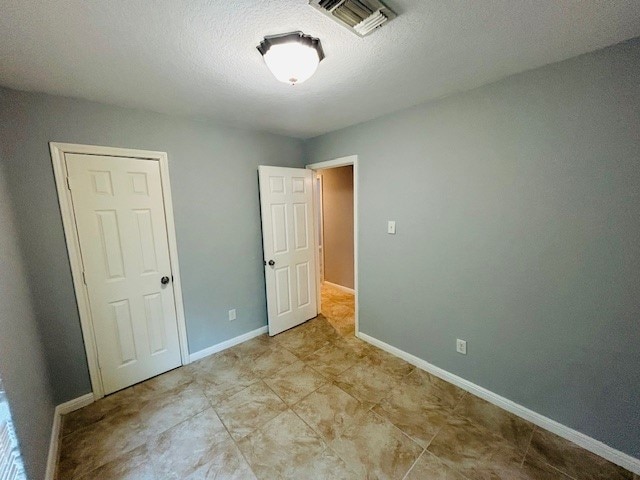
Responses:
[338,307]
[310,403]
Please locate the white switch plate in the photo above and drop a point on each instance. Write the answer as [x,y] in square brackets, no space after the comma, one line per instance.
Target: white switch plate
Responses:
[391,227]
[461,346]
[232,314]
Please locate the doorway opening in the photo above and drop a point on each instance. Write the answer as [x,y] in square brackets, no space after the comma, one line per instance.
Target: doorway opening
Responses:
[335,185]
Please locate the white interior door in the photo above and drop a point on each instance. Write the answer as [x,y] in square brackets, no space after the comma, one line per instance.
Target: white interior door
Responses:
[119,210]
[286,201]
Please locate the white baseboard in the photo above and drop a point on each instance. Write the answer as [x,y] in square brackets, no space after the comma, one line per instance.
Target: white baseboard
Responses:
[340,287]
[591,444]
[227,344]
[54,443]
[75,404]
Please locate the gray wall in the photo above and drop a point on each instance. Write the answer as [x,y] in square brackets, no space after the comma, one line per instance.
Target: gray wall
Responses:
[23,367]
[337,219]
[215,198]
[518,220]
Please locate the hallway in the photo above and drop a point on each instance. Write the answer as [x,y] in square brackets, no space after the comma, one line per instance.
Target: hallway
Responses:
[338,307]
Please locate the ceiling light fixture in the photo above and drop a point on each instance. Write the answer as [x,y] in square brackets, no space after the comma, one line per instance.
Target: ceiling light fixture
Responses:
[291,57]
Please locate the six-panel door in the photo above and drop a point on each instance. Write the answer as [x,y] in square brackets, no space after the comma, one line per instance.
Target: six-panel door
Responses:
[119,210]
[286,200]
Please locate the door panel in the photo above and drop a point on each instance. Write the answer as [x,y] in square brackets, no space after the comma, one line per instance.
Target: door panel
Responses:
[154,314]
[301,225]
[283,294]
[119,209]
[124,328]
[279,228]
[289,241]
[302,277]
[147,242]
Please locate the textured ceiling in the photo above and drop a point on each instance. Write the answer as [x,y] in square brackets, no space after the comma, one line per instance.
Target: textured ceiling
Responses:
[198,57]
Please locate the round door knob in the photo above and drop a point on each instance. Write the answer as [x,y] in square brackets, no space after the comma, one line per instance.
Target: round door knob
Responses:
[164,280]
[271,263]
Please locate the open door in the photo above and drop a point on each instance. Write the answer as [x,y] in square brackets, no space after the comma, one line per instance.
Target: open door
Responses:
[288,237]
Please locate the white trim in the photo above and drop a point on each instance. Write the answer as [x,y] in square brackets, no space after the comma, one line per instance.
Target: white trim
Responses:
[228,343]
[336,162]
[319,216]
[588,443]
[54,442]
[58,152]
[75,404]
[343,162]
[340,287]
[173,258]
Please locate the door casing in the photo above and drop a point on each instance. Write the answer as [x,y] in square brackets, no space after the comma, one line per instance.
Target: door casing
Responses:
[341,162]
[58,152]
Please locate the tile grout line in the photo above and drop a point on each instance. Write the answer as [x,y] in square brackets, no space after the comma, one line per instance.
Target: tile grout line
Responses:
[283,400]
[564,474]
[270,419]
[455,407]
[75,475]
[346,426]
[262,380]
[328,383]
[414,464]
[526,451]
[326,443]
[233,440]
[150,438]
[396,427]
[494,433]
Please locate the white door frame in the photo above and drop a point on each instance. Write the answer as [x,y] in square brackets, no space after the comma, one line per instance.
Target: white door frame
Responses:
[320,223]
[343,162]
[58,151]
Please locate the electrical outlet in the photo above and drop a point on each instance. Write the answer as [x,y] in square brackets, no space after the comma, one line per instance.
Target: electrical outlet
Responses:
[461,346]
[391,227]
[232,314]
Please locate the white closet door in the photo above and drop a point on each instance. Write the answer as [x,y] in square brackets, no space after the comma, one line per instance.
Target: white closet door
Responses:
[119,208]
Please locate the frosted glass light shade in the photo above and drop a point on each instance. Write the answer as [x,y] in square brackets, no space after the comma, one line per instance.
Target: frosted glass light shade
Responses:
[292,57]
[292,62]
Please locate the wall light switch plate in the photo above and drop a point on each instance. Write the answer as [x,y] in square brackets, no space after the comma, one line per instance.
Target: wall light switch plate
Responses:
[232,314]
[461,346]
[391,227]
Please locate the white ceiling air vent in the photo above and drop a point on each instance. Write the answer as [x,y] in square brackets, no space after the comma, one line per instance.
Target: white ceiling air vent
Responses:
[360,16]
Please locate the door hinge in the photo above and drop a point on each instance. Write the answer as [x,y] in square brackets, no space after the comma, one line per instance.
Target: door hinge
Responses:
[68,183]
[84,278]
